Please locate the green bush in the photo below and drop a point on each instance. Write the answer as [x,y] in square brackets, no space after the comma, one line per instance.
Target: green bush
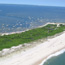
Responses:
[8,41]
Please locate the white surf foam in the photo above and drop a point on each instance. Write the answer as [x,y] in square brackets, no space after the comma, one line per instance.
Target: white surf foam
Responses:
[55,54]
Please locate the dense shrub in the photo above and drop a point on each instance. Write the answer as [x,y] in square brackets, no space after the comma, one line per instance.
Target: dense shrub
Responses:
[8,41]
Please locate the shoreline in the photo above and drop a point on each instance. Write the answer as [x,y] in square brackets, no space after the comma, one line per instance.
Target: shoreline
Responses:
[33,55]
[54,55]
[28,29]
[7,51]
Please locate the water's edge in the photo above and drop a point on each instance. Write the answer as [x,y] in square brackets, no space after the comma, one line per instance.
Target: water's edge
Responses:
[52,55]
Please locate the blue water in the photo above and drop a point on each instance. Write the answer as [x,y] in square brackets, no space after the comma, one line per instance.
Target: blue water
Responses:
[56,60]
[22,17]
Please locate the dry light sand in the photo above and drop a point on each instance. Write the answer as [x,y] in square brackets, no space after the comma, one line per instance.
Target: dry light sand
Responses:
[36,54]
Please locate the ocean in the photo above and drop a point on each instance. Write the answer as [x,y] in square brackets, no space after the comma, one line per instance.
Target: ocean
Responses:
[22,17]
[55,59]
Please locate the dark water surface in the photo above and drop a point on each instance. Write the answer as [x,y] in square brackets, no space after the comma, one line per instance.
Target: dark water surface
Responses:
[22,17]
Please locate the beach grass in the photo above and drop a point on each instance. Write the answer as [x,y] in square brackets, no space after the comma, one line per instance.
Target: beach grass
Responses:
[8,41]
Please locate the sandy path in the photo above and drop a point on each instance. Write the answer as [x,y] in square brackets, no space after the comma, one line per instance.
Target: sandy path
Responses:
[31,56]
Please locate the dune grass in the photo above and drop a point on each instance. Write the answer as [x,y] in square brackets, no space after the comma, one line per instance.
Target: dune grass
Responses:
[8,41]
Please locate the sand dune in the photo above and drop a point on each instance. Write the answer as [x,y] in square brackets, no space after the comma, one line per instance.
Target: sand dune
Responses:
[33,55]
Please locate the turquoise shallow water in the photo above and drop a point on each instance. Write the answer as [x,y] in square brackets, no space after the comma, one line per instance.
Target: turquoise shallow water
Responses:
[56,60]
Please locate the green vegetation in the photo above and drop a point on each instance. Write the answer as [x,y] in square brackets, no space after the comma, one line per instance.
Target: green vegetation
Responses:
[8,41]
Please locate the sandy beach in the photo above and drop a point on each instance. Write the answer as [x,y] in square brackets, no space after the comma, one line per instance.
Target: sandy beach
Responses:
[35,55]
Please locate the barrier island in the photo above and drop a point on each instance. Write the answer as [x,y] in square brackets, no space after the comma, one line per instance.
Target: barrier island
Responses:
[7,41]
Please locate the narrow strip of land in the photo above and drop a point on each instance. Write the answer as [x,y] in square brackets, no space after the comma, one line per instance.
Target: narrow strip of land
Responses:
[34,55]
[7,41]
